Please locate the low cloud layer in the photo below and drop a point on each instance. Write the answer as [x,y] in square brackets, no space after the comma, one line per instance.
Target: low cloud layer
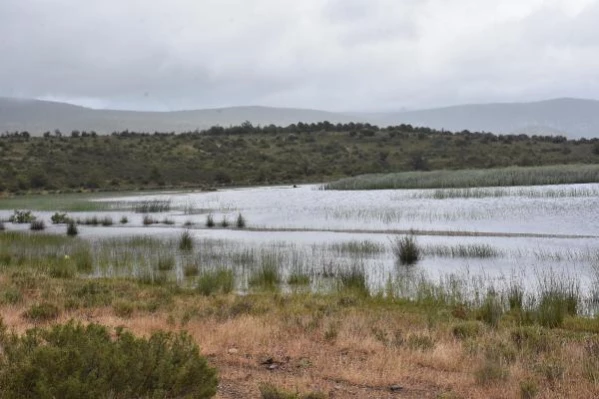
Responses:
[336,55]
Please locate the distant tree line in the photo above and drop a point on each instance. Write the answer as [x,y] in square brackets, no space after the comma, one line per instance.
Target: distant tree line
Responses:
[353,129]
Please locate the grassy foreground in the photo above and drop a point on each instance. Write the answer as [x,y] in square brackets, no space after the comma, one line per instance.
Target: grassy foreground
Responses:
[500,177]
[344,343]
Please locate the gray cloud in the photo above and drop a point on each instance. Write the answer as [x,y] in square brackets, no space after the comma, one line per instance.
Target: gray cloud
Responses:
[336,55]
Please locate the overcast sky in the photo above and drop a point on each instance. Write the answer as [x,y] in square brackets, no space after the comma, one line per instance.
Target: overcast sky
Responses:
[326,54]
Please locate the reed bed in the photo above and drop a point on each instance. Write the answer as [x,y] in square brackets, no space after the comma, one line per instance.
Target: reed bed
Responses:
[500,177]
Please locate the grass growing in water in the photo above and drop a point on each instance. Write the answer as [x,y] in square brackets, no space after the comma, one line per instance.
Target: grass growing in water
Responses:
[406,250]
[216,281]
[37,225]
[462,251]
[185,241]
[500,177]
[240,222]
[152,206]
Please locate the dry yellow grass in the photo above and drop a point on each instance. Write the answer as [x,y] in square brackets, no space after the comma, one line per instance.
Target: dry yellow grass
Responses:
[315,344]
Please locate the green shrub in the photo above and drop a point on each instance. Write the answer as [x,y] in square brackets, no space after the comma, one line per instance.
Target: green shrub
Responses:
[406,250]
[60,218]
[42,312]
[219,281]
[2,228]
[124,220]
[185,241]
[76,361]
[21,217]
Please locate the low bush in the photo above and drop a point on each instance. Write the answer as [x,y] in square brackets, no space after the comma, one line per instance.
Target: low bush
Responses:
[76,361]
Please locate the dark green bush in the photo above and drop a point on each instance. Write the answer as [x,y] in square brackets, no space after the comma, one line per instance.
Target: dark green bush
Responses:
[76,361]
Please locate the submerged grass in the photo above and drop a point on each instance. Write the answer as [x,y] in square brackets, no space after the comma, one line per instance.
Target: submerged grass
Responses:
[500,177]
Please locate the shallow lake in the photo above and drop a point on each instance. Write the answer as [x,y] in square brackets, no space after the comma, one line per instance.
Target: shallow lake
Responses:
[495,236]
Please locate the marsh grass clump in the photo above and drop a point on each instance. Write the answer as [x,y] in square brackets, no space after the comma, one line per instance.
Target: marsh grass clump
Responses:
[224,222]
[559,297]
[210,220]
[185,241]
[148,220]
[267,276]
[77,361]
[406,250]
[62,269]
[72,229]
[60,218]
[298,279]
[491,310]
[216,281]
[165,263]
[463,251]
[37,225]
[152,206]
[364,247]
[106,221]
[22,217]
[354,281]
[191,270]
[240,222]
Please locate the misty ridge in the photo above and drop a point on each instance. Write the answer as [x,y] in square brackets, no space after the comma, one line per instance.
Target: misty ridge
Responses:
[573,118]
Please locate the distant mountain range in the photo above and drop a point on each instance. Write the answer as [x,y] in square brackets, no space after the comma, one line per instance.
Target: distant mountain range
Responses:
[573,118]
